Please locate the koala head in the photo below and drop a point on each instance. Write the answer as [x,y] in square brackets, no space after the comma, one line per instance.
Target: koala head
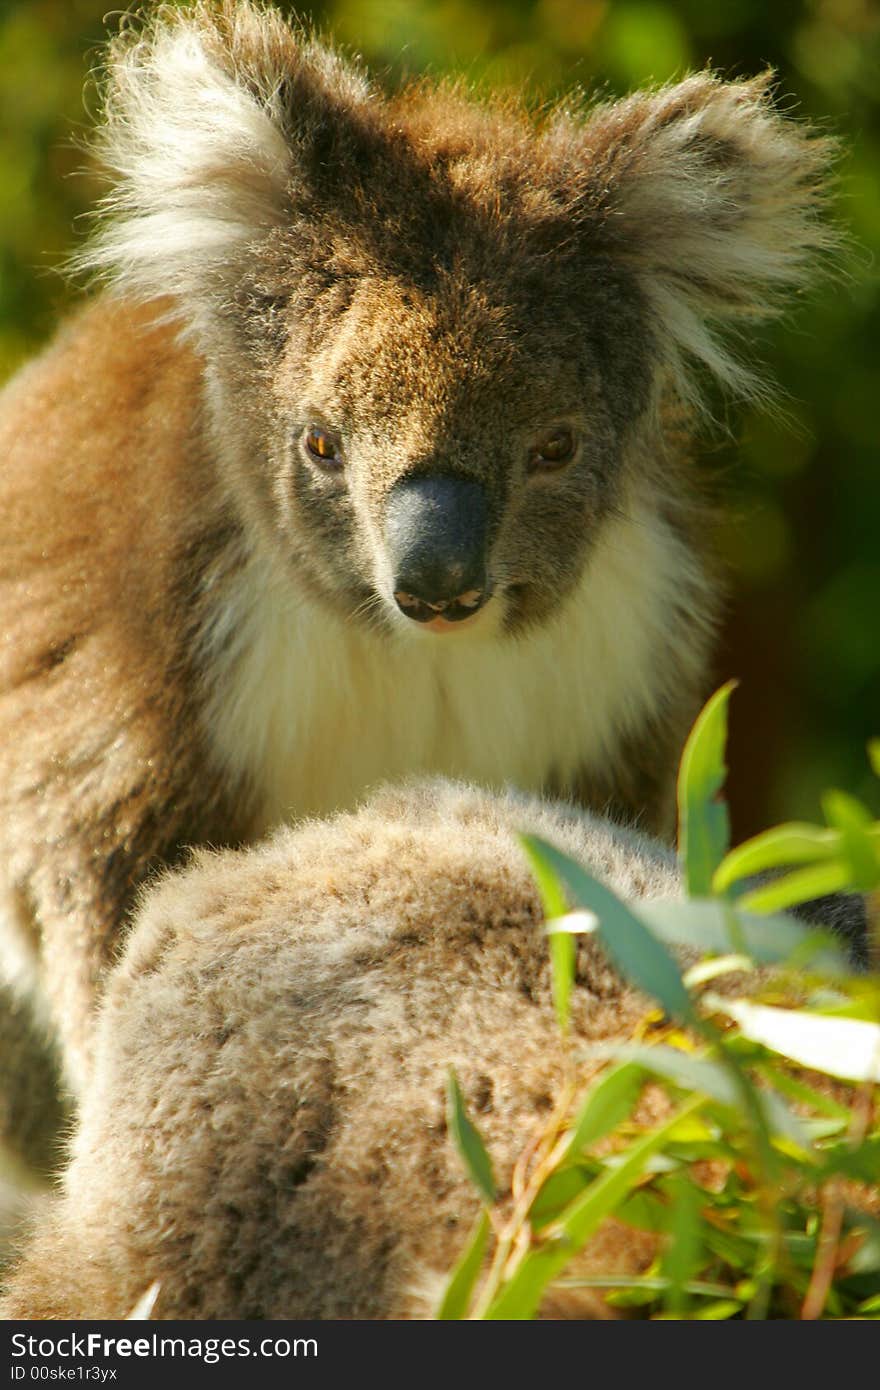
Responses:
[440,337]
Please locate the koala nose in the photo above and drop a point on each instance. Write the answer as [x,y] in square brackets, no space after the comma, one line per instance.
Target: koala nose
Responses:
[435,535]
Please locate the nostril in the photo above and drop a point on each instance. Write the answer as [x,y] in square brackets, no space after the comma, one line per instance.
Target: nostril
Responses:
[474,598]
[453,610]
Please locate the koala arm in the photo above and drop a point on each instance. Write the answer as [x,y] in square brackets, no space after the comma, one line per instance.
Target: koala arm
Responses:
[101,771]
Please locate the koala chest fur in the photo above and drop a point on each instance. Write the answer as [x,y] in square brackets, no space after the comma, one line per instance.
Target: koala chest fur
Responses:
[309,711]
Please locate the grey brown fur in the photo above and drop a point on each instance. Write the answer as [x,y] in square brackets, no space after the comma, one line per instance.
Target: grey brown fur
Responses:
[265,1130]
[199,634]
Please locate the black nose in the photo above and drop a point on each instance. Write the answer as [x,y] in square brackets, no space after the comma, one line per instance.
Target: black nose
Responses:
[435,534]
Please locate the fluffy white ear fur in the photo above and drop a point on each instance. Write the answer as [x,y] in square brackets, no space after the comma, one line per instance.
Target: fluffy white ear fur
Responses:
[196,140]
[714,197]
[706,190]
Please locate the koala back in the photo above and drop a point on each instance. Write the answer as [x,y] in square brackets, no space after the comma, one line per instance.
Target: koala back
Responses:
[265,1132]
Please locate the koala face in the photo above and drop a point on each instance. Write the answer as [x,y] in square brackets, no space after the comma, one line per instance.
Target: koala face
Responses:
[440,444]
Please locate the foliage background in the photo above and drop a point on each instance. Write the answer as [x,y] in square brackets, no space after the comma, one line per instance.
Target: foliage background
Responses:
[803,540]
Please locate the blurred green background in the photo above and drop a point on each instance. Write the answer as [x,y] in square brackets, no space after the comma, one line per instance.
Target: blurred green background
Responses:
[803,540]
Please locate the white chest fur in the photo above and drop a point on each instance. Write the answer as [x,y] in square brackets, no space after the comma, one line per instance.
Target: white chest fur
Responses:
[314,711]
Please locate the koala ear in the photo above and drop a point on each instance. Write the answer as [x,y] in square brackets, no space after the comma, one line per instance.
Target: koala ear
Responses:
[209,115]
[713,198]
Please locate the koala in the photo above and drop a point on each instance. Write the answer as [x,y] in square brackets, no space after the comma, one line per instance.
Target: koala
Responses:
[264,1132]
[373,457]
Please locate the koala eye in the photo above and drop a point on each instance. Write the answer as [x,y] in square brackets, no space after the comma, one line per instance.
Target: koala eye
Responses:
[325,448]
[553,450]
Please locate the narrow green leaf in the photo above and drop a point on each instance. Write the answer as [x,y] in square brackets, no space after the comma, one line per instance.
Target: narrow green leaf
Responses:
[711,1079]
[800,887]
[522,1294]
[468,1140]
[683,1255]
[563,946]
[561,1188]
[853,821]
[866,1260]
[636,952]
[549,884]
[844,1047]
[845,812]
[715,966]
[456,1297]
[861,1162]
[782,1080]
[563,955]
[609,1101]
[641,1284]
[704,924]
[717,1312]
[874,754]
[793,843]
[703,821]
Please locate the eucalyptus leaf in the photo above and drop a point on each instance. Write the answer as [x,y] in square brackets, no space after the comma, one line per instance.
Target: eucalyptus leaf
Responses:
[456,1297]
[563,947]
[802,886]
[468,1140]
[609,1102]
[712,1079]
[521,1295]
[636,952]
[683,1255]
[793,843]
[560,1188]
[703,821]
[845,1047]
[853,821]
[704,924]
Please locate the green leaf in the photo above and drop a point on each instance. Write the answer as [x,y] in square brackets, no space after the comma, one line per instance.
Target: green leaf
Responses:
[468,1140]
[793,843]
[563,956]
[704,923]
[643,1286]
[549,884]
[845,812]
[861,1163]
[638,955]
[609,1102]
[853,821]
[456,1297]
[874,754]
[683,1256]
[703,821]
[717,1312]
[844,1047]
[800,887]
[557,1192]
[711,1079]
[563,946]
[866,1259]
[522,1294]
[800,1091]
